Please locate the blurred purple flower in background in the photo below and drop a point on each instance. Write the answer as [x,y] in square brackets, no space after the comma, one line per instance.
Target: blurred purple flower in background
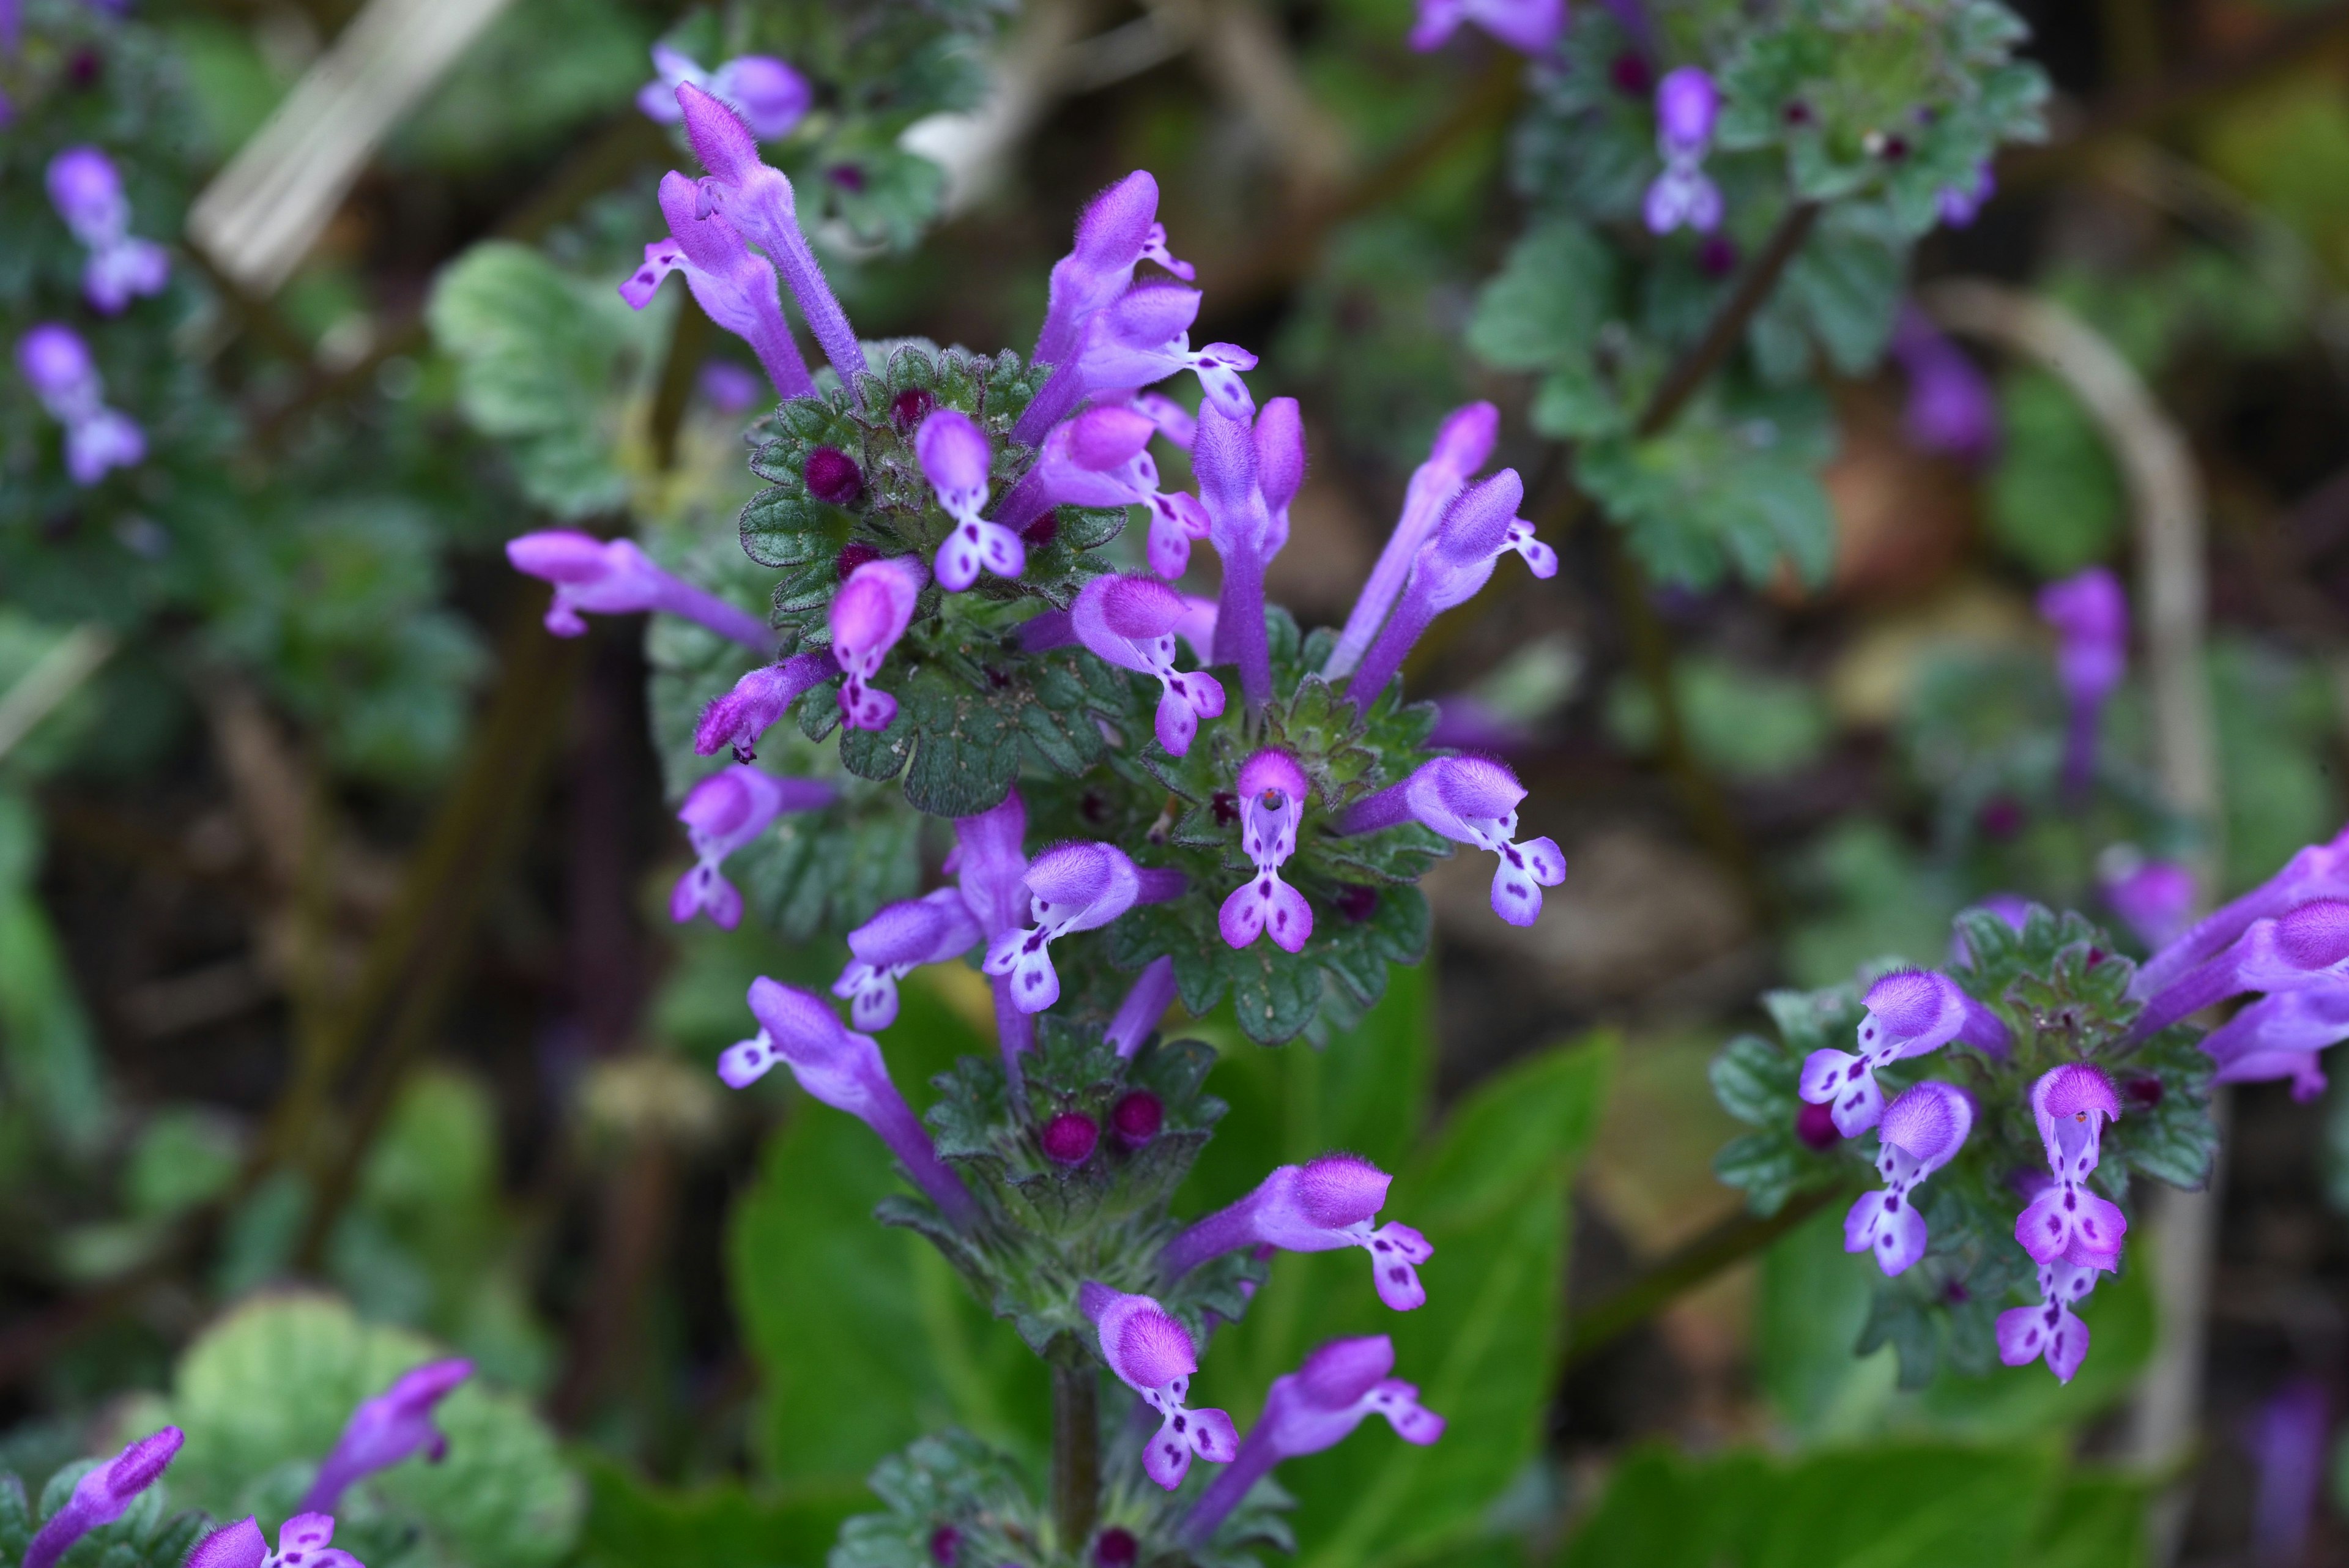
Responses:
[1687,105]
[57,365]
[769,95]
[2155,898]
[2287,1447]
[385,1430]
[727,386]
[1952,409]
[1528,26]
[2090,615]
[87,190]
[1960,204]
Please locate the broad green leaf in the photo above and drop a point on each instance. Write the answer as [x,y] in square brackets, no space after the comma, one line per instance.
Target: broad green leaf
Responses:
[634,1523]
[1813,1303]
[2092,1521]
[2054,499]
[1545,304]
[1899,1507]
[45,1036]
[1664,1511]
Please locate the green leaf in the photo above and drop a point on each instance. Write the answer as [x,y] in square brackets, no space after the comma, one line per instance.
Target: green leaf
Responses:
[1545,304]
[1664,1511]
[2093,1520]
[1897,1506]
[634,1523]
[2054,499]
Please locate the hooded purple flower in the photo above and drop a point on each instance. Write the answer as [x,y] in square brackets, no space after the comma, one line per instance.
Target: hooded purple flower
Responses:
[722,814]
[1118,230]
[1101,458]
[1175,422]
[955,459]
[1910,1013]
[87,191]
[737,719]
[734,287]
[1152,1354]
[103,1495]
[2155,898]
[2090,615]
[2303,949]
[1918,1134]
[57,365]
[1950,408]
[1071,888]
[991,866]
[1471,800]
[1137,340]
[385,1430]
[843,1070]
[1225,461]
[769,95]
[1456,560]
[1317,1406]
[1279,466]
[303,1542]
[612,576]
[1318,1207]
[1152,995]
[1272,791]
[893,943]
[1130,622]
[1462,444]
[1960,204]
[2316,871]
[2049,1330]
[758,202]
[2280,1036]
[1528,26]
[2066,1221]
[868,615]
[1687,105]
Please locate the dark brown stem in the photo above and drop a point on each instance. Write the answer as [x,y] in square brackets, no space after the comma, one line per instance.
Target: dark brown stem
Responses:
[1733,1241]
[1076,1449]
[689,345]
[1728,323]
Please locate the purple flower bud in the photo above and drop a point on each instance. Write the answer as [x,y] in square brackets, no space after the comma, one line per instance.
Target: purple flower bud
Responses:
[852,554]
[761,698]
[1118,229]
[1144,1005]
[1815,1124]
[2280,1036]
[893,943]
[612,576]
[1279,465]
[722,814]
[1910,1013]
[955,459]
[909,408]
[1528,26]
[1686,106]
[1918,1134]
[1069,1139]
[385,1430]
[1960,204]
[1072,888]
[1152,1354]
[238,1545]
[1224,460]
[2155,898]
[868,615]
[57,365]
[87,191]
[2090,615]
[104,1494]
[1951,407]
[1462,444]
[758,203]
[1471,800]
[1116,1548]
[832,477]
[302,1543]
[1130,622]
[2049,1329]
[1136,1117]
[734,287]
[2066,1221]
[1101,458]
[844,1071]
[770,97]
[1138,339]
[1455,562]
[1272,791]
[1316,1207]
[1317,1406]
[946,1541]
[2316,871]
[2303,948]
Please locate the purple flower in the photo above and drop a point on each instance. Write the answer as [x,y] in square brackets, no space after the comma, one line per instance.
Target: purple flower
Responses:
[1279,466]
[2065,1222]
[1118,229]
[57,365]
[612,576]
[2288,1446]
[2008,907]
[1456,560]
[1152,1354]
[103,1494]
[87,191]
[1318,1207]
[1462,445]
[302,1543]
[1137,340]
[1528,26]
[1918,1134]
[955,459]
[757,202]
[2303,948]
[769,95]
[1471,800]
[893,944]
[1950,408]
[990,867]
[1101,458]
[868,615]
[722,814]
[1071,888]
[843,1070]
[385,1430]
[2090,615]
[1175,422]
[737,719]
[2316,871]
[1138,1015]
[2155,898]
[1317,1406]
[1960,204]
[1910,1013]
[1131,622]
[1687,104]
[2279,1037]
[1224,460]
[734,287]
[2049,1329]
[1272,791]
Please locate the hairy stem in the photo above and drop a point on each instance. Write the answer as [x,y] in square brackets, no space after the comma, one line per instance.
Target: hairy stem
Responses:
[1076,1449]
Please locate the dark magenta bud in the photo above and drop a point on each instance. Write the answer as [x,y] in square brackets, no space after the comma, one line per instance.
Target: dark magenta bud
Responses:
[909,408]
[847,176]
[1070,1138]
[1226,805]
[1815,1124]
[945,1542]
[1044,530]
[1116,1548]
[854,555]
[1356,902]
[1632,76]
[1796,113]
[832,476]
[2145,1091]
[2002,816]
[1138,1118]
[1716,256]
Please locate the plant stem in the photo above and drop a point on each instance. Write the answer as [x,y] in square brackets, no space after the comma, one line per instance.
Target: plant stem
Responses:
[1076,1449]
[1689,374]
